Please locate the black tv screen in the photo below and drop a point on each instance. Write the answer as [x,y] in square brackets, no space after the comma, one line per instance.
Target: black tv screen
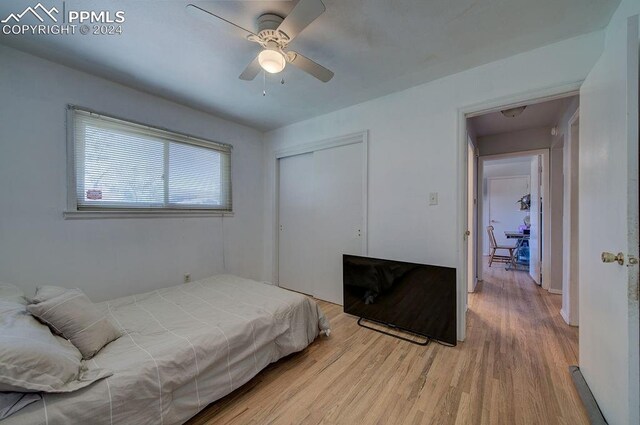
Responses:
[412,297]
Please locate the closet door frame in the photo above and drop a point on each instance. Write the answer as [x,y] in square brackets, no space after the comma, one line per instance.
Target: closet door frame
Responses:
[334,142]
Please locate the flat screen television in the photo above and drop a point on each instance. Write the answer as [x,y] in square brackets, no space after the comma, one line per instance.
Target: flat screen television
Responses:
[413,297]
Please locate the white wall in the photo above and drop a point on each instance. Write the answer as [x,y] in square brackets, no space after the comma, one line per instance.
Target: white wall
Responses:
[108,257]
[413,148]
[500,169]
[515,141]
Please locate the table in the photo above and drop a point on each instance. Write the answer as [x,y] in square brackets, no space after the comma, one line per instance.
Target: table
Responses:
[520,237]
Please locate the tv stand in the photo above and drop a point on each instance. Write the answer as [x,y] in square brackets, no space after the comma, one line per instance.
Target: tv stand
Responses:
[422,343]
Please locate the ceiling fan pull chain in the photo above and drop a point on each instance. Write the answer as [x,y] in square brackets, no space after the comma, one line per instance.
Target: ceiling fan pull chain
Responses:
[264,83]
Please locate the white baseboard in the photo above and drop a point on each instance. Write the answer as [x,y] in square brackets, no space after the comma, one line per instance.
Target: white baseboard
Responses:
[564,316]
[555,291]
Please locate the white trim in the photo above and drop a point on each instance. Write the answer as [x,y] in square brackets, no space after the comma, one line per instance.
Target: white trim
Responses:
[75,215]
[480,255]
[527,98]
[565,316]
[72,201]
[333,142]
[517,99]
[572,241]
[555,291]
[348,139]
[473,210]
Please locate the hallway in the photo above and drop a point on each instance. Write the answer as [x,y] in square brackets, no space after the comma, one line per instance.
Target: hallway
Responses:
[531,346]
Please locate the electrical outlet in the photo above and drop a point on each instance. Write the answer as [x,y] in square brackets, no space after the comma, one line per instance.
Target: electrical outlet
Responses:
[187,277]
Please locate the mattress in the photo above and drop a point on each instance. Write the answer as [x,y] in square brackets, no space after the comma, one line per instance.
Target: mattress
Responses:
[184,347]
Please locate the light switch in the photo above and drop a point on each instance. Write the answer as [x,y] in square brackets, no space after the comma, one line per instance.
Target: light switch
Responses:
[433,198]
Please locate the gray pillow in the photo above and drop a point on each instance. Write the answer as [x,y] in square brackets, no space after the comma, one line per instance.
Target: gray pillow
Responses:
[33,359]
[71,314]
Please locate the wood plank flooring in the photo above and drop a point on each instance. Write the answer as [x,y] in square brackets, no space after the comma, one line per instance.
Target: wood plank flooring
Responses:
[512,369]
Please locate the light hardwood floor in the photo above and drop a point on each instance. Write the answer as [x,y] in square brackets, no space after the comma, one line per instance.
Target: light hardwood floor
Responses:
[512,369]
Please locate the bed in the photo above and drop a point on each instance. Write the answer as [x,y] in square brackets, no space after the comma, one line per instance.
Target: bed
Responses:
[182,348]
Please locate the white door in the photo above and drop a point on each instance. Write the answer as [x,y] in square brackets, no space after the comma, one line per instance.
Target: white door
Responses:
[535,215]
[608,221]
[339,215]
[296,208]
[321,217]
[504,211]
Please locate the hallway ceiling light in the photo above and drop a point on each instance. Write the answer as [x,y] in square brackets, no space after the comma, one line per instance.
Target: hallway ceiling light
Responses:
[513,112]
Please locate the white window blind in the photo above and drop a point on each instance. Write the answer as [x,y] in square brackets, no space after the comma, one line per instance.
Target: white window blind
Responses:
[121,165]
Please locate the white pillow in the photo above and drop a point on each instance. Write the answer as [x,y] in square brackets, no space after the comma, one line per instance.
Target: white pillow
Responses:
[71,314]
[32,359]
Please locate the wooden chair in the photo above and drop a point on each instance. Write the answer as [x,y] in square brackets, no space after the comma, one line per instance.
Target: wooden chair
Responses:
[498,258]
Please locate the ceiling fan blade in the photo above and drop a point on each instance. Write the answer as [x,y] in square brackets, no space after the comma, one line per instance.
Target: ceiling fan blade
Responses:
[309,66]
[305,12]
[215,19]
[251,70]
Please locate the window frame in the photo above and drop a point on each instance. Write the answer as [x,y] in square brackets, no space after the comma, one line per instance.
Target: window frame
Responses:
[73,211]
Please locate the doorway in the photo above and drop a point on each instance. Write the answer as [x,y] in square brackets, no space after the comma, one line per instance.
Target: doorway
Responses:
[532,132]
[513,211]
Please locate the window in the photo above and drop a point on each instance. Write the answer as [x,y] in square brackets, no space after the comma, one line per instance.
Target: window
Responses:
[121,165]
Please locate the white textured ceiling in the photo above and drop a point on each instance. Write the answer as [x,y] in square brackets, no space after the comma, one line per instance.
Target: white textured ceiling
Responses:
[375,47]
[543,114]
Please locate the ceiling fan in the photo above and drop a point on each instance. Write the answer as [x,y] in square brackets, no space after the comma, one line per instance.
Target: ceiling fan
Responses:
[274,35]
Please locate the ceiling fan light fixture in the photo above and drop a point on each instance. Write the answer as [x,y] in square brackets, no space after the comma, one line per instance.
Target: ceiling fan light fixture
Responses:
[271,61]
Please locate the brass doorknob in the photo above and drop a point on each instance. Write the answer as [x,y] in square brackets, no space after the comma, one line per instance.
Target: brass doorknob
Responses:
[608,257]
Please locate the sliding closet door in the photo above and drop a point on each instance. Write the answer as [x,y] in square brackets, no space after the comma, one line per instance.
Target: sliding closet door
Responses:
[321,217]
[338,199]
[295,256]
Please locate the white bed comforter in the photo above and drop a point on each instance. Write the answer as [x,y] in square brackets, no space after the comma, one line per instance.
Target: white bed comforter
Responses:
[183,348]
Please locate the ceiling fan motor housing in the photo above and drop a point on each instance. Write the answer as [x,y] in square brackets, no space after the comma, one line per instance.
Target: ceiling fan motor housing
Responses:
[269,21]
[268,35]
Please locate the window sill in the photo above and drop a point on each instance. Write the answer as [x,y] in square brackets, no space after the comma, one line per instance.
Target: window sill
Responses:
[102,214]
